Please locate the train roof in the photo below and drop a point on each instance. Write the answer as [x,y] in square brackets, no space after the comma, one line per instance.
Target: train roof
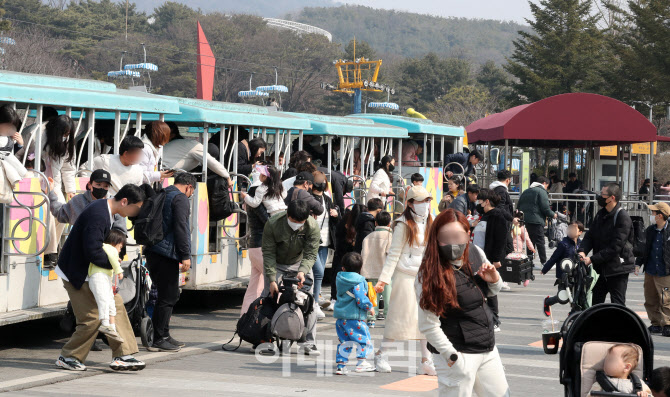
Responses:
[413,125]
[348,126]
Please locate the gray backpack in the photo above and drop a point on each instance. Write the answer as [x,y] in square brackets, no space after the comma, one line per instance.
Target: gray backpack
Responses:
[288,323]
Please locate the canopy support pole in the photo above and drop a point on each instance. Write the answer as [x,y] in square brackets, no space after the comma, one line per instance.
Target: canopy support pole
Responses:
[117,131]
[205,151]
[630,161]
[329,139]
[651,172]
[618,171]
[425,150]
[506,154]
[91,137]
[300,138]
[432,151]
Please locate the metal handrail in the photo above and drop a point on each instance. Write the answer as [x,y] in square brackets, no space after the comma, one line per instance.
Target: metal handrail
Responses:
[31,218]
[224,227]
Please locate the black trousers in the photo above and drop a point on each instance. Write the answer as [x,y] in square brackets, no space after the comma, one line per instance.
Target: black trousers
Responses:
[536,234]
[492,301]
[164,274]
[614,285]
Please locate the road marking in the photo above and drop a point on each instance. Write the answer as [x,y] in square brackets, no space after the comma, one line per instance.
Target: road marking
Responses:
[417,383]
[36,378]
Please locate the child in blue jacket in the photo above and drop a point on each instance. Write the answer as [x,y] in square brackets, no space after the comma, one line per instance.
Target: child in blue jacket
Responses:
[567,248]
[351,311]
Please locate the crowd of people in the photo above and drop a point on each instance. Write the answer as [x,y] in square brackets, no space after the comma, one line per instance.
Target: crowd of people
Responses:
[437,277]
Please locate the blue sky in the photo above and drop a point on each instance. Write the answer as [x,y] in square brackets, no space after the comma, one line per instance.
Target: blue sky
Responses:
[509,10]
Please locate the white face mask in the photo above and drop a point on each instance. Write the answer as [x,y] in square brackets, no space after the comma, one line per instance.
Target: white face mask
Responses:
[422,209]
[294,225]
[652,218]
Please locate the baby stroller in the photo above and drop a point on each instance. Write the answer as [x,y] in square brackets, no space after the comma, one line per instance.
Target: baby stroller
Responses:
[587,336]
[574,287]
[558,229]
[134,290]
[291,322]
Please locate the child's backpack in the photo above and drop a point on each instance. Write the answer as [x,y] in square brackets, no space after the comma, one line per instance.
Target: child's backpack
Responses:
[295,305]
[254,325]
[148,225]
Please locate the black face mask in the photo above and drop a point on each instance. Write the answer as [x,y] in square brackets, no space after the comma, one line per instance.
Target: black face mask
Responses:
[99,193]
[602,201]
[480,209]
[391,167]
[452,252]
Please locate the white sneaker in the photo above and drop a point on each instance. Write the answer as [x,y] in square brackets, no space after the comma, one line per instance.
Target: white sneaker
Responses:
[320,315]
[309,350]
[331,306]
[381,363]
[496,328]
[324,302]
[428,368]
[505,287]
[365,366]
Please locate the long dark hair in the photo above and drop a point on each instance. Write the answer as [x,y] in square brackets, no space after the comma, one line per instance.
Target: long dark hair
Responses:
[56,129]
[412,228]
[9,116]
[384,163]
[438,285]
[273,183]
[350,224]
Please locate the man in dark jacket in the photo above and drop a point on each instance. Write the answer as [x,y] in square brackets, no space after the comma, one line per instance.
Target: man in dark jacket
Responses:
[534,203]
[83,247]
[506,205]
[300,191]
[493,227]
[656,263]
[365,224]
[611,240]
[467,160]
[163,258]
[465,201]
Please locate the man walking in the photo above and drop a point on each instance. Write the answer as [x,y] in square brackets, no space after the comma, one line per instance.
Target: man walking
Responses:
[164,257]
[82,248]
[656,265]
[534,203]
[291,241]
[611,240]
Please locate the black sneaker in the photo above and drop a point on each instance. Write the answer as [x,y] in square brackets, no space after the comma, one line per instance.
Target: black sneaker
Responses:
[162,345]
[71,364]
[50,261]
[666,330]
[128,364]
[175,342]
[655,329]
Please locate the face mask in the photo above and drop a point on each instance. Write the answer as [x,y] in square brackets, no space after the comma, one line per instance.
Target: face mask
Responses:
[452,252]
[391,167]
[99,193]
[652,218]
[294,225]
[602,201]
[422,209]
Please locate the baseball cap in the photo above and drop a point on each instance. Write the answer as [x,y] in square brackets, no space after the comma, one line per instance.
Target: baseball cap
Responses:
[418,193]
[304,177]
[100,176]
[663,208]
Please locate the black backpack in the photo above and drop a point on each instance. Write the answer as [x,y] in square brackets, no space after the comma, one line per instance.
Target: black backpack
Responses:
[639,236]
[220,204]
[254,325]
[148,225]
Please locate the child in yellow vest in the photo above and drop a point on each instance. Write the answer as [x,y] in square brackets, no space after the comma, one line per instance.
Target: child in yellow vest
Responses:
[100,283]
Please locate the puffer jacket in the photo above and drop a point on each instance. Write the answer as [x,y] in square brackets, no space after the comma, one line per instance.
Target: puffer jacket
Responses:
[402,256]
[611,243]
[534,202]
[352,297]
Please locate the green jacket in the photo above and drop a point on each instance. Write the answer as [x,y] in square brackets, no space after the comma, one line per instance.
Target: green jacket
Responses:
[534,203]
[281,245]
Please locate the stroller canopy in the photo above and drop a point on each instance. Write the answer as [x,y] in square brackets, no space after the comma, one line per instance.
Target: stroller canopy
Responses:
[605,322]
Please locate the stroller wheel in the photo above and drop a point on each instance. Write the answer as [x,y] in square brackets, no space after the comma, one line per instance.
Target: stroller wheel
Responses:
[532,277]
[147,331]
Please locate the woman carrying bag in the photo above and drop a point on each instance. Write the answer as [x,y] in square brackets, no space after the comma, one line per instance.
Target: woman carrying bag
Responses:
[452,287]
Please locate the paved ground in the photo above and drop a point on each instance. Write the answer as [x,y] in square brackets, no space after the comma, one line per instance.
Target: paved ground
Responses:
[206,320]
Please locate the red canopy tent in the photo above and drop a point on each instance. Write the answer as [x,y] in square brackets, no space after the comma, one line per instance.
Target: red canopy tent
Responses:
[565,121]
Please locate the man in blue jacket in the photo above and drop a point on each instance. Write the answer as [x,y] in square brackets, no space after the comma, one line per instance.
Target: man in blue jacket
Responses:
[163,258]
[83,247]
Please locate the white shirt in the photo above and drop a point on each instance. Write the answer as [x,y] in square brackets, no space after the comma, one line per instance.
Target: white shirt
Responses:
[120,174]
[380,184]
[186,154]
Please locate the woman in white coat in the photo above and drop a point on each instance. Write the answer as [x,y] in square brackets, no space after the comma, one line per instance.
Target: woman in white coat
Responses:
[380,185]
[58,157]
[400,268]
[154,136]
[452,286]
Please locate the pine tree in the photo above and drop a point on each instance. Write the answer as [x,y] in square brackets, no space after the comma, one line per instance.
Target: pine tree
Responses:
[563,53]
[4,24]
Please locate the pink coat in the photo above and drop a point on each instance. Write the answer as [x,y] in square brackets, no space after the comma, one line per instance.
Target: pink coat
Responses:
[519,234]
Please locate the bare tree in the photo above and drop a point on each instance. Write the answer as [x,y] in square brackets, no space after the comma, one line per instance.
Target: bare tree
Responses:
[37,52]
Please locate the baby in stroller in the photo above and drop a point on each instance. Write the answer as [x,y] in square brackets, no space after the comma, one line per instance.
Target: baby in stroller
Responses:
[617,374]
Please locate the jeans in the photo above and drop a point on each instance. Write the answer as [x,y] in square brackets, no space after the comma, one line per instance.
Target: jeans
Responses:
[536,234]
[293,270]
[319,269]
[164,273]
[614,285]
